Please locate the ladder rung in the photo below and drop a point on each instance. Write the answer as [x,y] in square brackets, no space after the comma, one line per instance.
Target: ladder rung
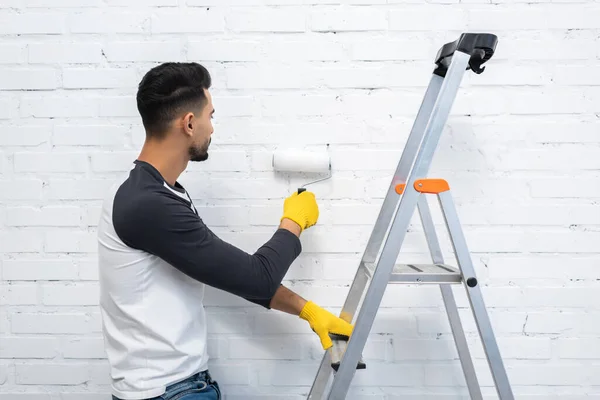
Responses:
[338,349]
[420,273]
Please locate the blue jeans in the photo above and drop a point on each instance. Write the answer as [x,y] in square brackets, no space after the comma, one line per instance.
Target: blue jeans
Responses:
[197,387]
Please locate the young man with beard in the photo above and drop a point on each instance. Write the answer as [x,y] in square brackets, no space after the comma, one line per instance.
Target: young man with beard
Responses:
[156,255]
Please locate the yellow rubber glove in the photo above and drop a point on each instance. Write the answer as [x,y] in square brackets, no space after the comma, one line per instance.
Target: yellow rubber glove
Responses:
[323,323]
[302,209]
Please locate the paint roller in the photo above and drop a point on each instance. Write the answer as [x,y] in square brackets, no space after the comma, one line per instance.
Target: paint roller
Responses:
[302,161]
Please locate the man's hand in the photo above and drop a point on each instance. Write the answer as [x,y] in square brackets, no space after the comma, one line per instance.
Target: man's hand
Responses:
[302,209]
[323,323]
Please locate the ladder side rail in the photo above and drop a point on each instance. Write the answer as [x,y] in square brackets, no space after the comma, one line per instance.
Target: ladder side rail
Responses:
[409,154]
[458,333]
[475,297]
[407,205]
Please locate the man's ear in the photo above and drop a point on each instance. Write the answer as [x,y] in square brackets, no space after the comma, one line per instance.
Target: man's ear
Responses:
[188,123]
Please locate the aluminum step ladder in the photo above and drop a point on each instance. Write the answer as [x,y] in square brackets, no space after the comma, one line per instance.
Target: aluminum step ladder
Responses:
[378,266]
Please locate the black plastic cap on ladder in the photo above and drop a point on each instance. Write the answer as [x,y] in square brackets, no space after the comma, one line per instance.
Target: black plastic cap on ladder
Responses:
[480,46]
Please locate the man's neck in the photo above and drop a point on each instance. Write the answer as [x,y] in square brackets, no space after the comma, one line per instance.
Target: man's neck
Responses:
[165,159]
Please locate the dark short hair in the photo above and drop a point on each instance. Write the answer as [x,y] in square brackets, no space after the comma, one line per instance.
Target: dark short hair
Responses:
[169,89]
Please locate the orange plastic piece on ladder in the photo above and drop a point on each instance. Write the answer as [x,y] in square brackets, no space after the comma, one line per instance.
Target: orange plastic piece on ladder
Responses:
[431,186]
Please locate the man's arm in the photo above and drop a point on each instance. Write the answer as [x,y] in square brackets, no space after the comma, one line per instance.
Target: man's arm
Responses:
[287,301]
[164,225]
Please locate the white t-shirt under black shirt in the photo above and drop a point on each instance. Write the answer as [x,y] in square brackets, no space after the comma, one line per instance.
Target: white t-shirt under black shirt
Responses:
[155,256]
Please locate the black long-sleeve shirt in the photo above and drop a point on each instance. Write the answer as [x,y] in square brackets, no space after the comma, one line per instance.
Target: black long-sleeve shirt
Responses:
[153,216]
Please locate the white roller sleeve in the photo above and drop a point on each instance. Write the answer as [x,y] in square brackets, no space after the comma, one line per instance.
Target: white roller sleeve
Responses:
[301,161]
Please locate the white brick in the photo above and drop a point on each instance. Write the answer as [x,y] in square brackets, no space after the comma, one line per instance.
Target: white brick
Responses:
[560,322]
[262,76]
[24,189]
[424,18]
[88,270]
[287,374]
[560,268]
[90,135]
[53,323]
[143,51]
[45,216]
[386,50]
[84,348]
[562,157]
[162,3]
[20,241]
[121,106]
[51,162]
[534,49]
[424,349]
[3,373]
[114,161]
[300,105]
[92,215]
[12,53]
[78,189]
[28,347]
[539,130]
[100,21]
[234,188]
[9,108]
[32,23]
[358,19]
[569,374]
[578,348]
[51,374]
[18,294]
[223,50]
[577,75]
[226,322]
[105,78]
[560,187]
[54,106]
[274,324]
[265,349]
[52,3]
[521,348]
[25,396]
[531,17]
[24,135]
[187,21]
[267,20]
[38,269]
[235,106]
[65,52]
[70,242]
[70,294]
[301,50]
[28,79]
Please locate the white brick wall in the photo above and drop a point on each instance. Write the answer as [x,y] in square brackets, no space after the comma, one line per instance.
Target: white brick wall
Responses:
[521,151]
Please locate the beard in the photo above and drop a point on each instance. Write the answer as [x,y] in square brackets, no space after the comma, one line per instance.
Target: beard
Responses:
[199,153]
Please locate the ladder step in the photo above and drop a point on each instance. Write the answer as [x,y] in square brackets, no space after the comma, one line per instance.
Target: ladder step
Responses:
[338,349]
[420,273]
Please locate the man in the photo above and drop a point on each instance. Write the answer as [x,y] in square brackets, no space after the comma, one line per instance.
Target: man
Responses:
[156,254]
